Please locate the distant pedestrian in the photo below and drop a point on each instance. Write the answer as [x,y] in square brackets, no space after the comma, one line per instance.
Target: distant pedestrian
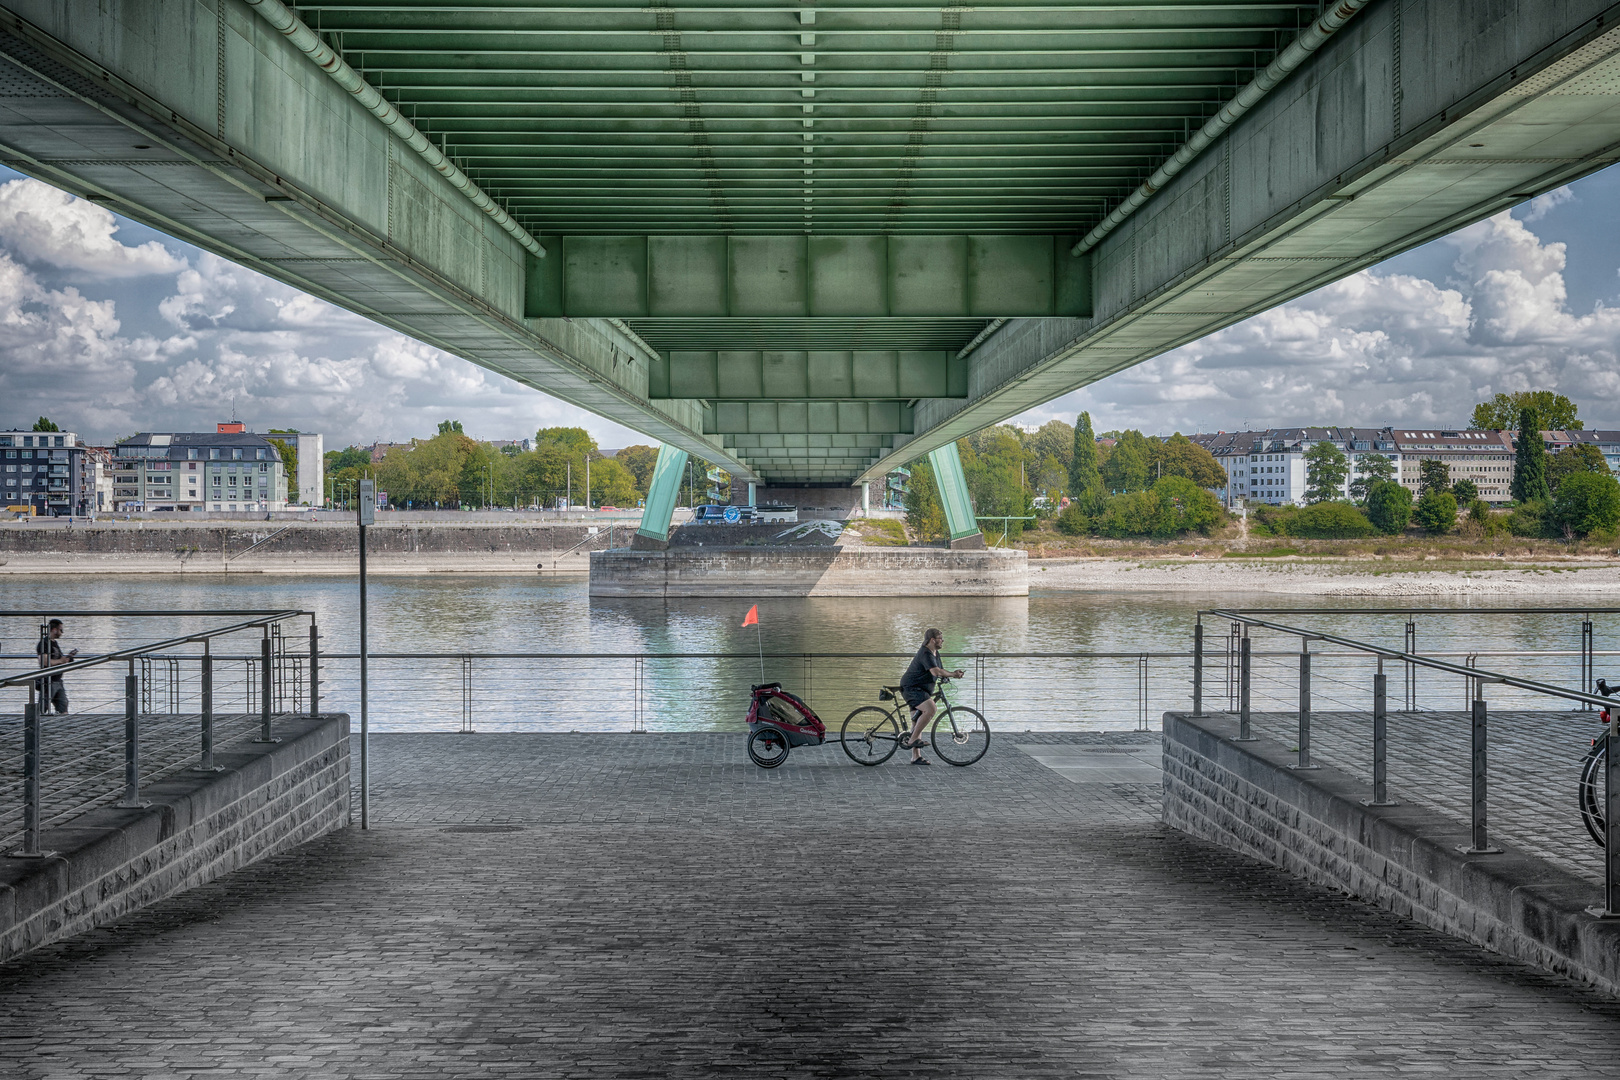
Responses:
[51,655]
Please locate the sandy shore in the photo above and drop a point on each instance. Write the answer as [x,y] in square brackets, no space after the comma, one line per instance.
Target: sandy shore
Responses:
[1323,578]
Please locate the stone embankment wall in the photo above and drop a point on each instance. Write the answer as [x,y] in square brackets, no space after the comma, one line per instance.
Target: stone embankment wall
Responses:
[1406,858]
[809,571]
[109,862]
[298,548]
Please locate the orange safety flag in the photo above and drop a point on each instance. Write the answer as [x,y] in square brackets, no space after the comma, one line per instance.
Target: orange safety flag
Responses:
[752,618]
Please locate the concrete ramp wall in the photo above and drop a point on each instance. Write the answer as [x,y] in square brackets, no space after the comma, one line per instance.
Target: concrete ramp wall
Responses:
[809,571]
[109,862]
[1405,858]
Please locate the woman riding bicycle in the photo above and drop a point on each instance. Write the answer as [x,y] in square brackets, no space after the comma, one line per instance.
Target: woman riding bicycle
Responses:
[917,687]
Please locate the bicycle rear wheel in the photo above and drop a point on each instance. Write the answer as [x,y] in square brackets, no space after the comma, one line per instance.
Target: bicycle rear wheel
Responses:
[1589,793]
[960,735]
[870,735]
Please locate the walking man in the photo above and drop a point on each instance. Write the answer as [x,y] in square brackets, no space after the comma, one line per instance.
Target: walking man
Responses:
[51,655]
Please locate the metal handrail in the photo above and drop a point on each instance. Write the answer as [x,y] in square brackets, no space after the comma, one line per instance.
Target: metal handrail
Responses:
[1417,659]
[145,650]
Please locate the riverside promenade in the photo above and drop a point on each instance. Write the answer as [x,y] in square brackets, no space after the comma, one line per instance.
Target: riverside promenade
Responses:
[652,905]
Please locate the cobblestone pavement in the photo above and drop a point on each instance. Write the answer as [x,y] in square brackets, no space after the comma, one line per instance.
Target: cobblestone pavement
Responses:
[83,756]
[1533,761]
[641,906]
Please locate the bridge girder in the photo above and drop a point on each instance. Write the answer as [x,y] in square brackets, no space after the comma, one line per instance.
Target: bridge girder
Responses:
[787,156]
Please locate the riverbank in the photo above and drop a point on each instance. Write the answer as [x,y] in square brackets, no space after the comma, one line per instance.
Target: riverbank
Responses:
[1333,577]
[302,548]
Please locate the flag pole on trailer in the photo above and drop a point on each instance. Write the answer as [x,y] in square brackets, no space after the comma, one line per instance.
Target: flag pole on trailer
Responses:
[752,619]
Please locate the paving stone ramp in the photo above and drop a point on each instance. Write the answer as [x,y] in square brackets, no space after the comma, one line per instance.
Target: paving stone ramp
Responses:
[110,861]
[1407,858]
[655,906]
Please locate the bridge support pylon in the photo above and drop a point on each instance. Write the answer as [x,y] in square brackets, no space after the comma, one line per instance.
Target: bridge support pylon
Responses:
[954,498]
[662,494]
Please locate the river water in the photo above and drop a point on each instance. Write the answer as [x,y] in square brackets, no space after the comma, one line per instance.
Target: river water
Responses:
[588,688]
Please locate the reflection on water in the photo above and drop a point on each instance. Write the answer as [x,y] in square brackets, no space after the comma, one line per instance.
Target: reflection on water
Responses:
[484,614]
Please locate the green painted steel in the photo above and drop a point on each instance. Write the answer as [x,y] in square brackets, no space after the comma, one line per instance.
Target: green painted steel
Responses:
[838,277]
[663,492]
[953,491]
[803,375]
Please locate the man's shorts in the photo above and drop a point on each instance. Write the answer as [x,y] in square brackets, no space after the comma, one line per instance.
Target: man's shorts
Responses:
[915,698]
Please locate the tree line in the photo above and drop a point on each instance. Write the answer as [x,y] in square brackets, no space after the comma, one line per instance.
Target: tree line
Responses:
[452,470]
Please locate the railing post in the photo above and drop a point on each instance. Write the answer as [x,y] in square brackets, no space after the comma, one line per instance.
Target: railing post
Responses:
[132,744]
[1198,667]
[207,764]
[1304,761]
[1411,668]
[265,678]
[314,669]
[1380,740]
[31,773]
[1588,662]
[1480,844]
[1245,734]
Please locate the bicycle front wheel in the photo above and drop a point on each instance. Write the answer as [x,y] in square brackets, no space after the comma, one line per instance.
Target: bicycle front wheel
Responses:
[870,735]
[960,735]
[1589,792]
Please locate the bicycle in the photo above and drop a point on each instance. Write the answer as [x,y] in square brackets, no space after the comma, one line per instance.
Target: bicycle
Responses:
[871,734]
[1590,789]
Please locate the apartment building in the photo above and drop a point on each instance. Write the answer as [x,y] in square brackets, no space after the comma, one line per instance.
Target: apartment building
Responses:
[1607,442]
[44,471]
[227,469]
[1269,466]
[1485,457]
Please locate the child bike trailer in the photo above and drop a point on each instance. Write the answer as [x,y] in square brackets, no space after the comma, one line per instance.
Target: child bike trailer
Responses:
[777,722]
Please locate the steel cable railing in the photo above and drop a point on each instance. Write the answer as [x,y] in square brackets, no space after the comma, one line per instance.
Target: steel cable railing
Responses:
[1418,726]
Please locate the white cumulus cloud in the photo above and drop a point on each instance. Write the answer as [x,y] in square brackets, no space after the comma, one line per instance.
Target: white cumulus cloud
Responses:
[41,224]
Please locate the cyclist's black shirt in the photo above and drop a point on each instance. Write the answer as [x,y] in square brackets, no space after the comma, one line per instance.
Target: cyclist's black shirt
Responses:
[918,677]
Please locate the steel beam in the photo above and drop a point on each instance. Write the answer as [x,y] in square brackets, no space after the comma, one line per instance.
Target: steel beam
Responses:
[663,492]
[806,276]
[804,375]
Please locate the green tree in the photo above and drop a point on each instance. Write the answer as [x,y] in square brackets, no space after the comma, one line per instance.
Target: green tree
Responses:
[925,516]
[1582,457]
[1436,512]
[612,484]
[1172,506]
[45,424]
[1072,522]
[1433,475]
[1504,411]
[992,465]
[1329,520]
[1180,456]
[1466,492]
[640,460]
[353,457]
[1085,479]
[1586,503]
[1054,439]
[1389,506]
[448,426]
[1126,469]
[1529,460]
[288,449]
[1370,468]
[1326,469]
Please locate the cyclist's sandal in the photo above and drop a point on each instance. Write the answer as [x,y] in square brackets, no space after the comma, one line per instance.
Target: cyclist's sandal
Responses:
[921,761]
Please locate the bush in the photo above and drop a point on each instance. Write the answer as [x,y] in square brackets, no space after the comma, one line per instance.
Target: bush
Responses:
[1173,506]
[1466,491]
[1072,521]
[1436,512]
[1389,507]
[1529,518]
[1587,503]
[1330,521]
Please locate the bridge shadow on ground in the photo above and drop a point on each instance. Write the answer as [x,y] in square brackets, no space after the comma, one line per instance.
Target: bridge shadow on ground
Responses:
[640,905]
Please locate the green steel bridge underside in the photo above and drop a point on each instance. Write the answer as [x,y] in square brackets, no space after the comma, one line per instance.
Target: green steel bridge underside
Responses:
[808,239]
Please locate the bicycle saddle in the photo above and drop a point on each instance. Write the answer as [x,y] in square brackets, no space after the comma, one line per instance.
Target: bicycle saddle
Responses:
[888,693]
[1605,689]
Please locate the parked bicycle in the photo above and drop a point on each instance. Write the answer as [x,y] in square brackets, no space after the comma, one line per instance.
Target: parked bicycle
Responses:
[1590,791]
[871,734]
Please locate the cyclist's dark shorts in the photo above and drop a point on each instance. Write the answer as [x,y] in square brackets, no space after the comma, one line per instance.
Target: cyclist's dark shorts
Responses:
[915,698]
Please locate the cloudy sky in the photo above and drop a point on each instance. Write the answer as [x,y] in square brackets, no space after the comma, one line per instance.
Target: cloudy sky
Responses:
[111,328]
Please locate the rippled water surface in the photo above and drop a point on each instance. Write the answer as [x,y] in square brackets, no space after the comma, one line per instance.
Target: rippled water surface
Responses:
[589,688]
